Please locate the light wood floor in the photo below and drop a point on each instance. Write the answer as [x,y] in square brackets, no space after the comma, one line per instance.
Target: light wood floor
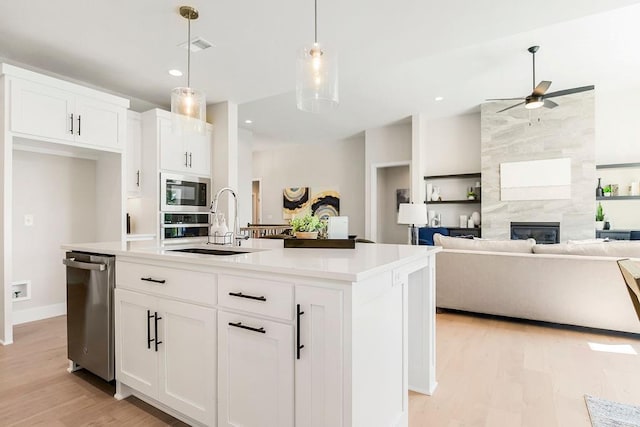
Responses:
[490,373]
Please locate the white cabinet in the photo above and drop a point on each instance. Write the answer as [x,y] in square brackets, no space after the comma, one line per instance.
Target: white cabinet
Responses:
[319,365]
[184,152]
[255,372]
[166,350]
[134,154]
[58,111]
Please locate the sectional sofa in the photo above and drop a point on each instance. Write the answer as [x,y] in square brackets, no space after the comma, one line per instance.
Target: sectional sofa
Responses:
[574,283]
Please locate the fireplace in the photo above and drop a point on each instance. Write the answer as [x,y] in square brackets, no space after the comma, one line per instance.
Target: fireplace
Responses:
[542,232]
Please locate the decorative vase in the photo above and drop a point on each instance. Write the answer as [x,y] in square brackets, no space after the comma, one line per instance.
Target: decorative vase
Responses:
[306,234]
[599,225]
[599,190]
[476,218]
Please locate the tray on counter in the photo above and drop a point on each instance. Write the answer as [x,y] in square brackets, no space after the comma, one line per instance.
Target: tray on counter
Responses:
[320,243]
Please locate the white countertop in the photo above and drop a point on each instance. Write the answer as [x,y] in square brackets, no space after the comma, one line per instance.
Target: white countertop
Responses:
[268,255]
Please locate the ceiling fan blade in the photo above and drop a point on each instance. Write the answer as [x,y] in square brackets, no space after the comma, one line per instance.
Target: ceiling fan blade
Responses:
[505,99]
[509,108]
[549,104]
[542,87]
[569,91]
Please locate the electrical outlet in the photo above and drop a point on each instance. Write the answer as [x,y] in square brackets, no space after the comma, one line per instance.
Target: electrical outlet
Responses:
[28,220]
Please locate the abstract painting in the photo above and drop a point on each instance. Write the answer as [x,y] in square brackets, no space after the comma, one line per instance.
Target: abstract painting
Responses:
[294,201]
[402,196]
[326,203]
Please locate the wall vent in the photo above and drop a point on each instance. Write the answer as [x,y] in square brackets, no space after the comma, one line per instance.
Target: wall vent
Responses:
[197,44]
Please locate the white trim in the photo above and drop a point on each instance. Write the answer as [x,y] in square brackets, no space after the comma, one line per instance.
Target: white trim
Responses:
[373,193]
[259,197]
[39,313]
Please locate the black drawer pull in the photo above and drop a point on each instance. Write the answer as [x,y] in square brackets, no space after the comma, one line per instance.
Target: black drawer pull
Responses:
[158,342]
[149,279]
[298,346]
[249,328]
[149,339]
[241,295]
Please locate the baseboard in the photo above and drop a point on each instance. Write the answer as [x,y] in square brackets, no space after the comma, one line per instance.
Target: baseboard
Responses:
[5,343]
[39,313]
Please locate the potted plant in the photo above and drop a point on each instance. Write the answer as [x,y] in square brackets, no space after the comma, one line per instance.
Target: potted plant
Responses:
[599,217]
[307,227]
[607,191]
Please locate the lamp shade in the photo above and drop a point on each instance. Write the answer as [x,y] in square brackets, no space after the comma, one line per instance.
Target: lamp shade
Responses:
[412,213]
[316,79]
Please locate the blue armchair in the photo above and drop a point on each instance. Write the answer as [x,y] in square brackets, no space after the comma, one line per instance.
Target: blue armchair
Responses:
[425,234]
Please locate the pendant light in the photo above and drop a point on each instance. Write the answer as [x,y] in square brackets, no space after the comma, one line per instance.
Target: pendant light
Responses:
[186,101]
[316,76]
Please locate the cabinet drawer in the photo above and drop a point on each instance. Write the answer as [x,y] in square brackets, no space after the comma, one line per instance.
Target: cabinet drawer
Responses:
[266,297]
[176,283]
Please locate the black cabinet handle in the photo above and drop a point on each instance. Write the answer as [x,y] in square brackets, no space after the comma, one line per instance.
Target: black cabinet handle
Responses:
[149,339]
[149,279]
[138,178]
[241,295]
[190,160]
[249,328]
[79,124]
[71,130]
[298,346]
[156,318]
[186,160]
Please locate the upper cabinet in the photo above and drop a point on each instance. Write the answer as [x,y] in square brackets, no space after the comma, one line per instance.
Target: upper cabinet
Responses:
[58,111]
[134,154]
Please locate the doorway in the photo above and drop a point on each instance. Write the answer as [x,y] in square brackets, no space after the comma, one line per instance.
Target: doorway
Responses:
[389,184]
[256,201]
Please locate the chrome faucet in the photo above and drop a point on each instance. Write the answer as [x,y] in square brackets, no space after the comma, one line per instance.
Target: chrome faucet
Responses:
[236,236]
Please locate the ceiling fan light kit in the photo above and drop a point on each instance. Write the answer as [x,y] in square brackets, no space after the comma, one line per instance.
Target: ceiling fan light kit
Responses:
[186,101]
[539,96]
[316,76]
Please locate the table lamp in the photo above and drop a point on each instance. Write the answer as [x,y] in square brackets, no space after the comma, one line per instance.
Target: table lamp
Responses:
[412,214]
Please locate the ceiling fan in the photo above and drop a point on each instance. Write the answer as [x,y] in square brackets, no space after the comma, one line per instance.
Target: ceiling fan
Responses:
[539,96]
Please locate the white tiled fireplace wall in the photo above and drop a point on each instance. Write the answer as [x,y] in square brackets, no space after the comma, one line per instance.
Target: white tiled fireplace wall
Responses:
[567,131]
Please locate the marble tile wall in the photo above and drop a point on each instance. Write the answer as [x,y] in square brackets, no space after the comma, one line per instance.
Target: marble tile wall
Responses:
[567,131]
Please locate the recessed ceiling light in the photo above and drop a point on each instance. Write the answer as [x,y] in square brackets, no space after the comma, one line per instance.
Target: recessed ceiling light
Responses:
[175,73]
[248,121]
[439,98]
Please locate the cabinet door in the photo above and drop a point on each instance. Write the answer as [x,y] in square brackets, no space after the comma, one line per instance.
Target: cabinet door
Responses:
[134,160]
[100,123]
[199,148]
[319,369]
[255,372]
[187,365]
[41,110]
[173,154]
[136,358]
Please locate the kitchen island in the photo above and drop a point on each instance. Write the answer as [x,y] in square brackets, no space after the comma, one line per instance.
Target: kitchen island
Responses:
[273,336]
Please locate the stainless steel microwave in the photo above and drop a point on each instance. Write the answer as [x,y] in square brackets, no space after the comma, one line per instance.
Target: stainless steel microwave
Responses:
[183,193]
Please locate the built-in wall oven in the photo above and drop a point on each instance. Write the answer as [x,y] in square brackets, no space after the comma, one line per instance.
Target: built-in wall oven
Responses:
[183,193]
[179,225]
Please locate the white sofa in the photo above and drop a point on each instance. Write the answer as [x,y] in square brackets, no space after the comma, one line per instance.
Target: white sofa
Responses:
[571,283]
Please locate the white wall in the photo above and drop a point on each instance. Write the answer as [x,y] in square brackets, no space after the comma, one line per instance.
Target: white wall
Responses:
[60,193]
[335,164]
[389,180]
[617,123]
[453,145]
[384,146]
[245,175]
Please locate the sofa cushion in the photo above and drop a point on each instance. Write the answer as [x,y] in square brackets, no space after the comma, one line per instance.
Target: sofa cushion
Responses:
[618,248]
[520,246]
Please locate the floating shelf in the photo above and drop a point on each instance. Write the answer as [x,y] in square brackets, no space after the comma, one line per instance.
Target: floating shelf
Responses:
[619,165]
[445,202]
[618,198]
[455,175]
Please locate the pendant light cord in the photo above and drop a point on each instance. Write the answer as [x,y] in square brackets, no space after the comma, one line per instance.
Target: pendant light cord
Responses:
[315,24]
[189,52]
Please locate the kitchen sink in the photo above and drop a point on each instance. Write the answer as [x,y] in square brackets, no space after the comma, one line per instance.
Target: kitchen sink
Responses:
[204,251]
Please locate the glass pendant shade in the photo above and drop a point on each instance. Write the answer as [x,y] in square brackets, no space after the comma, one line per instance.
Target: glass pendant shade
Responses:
[189,109]
[316,79]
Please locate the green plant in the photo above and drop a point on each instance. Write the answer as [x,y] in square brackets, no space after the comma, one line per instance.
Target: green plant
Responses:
[308,223]
[607,189]
[599,213]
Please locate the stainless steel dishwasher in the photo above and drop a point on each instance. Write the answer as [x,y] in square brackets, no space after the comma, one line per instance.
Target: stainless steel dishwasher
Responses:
[90,283]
